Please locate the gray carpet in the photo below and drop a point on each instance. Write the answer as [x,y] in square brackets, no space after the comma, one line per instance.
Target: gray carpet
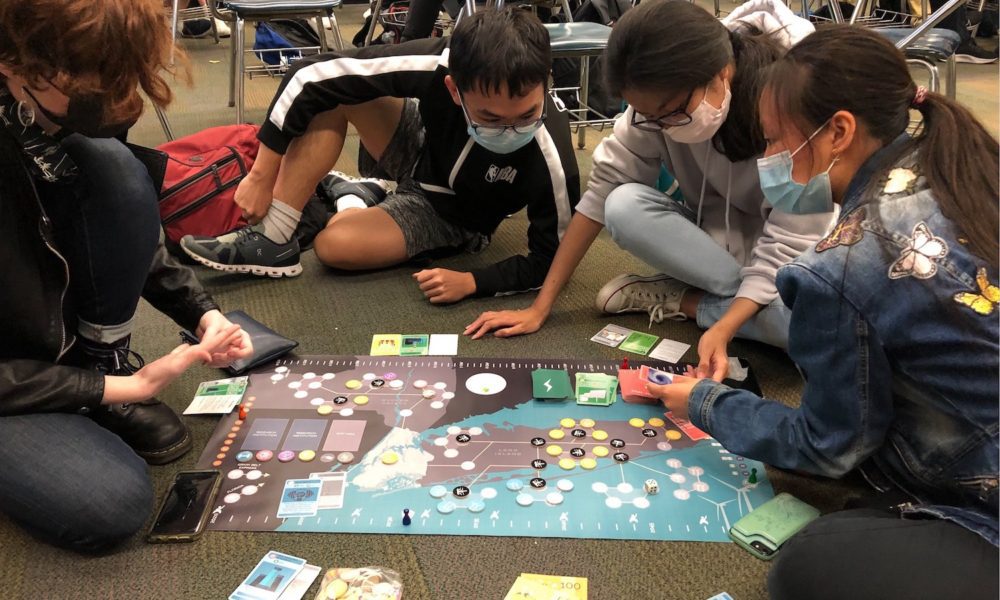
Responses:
[336,313]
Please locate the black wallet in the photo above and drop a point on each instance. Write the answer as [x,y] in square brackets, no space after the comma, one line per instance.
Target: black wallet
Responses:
[268,345]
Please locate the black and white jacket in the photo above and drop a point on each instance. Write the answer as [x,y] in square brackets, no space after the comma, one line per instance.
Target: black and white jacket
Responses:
[467,184]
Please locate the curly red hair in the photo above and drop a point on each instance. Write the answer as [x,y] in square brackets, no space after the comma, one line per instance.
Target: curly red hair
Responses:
[111,48]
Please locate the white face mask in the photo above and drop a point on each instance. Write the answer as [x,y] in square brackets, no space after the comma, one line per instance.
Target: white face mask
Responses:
[705,121]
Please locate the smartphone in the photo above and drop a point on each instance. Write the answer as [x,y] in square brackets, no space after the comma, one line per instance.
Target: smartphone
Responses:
[763,531]
[186,507]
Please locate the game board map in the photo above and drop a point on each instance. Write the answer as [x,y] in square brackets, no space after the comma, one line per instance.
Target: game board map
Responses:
[346,443]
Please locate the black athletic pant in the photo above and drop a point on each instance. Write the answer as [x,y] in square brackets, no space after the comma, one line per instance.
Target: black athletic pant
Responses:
[872,554]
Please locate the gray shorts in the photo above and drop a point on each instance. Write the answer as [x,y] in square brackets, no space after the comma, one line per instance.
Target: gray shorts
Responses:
[425,231]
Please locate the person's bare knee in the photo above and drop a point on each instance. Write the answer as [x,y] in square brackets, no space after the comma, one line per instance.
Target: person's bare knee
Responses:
[339,215]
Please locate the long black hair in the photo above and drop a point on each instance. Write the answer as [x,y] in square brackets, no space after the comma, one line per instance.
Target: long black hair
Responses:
[854,69]
[672,46]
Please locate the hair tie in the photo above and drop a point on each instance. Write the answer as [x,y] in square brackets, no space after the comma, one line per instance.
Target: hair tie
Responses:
[919,97]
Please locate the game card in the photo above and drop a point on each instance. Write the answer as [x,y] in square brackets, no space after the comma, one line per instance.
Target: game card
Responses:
[669,351]
[300,498]
[300,585]
[217,397]
[633,387]
[443,344]
[386,344]
[334,485]
[272,575]
[611,335]
[639,342]
[596,389]
[551,384]
[655,375]
[414,345]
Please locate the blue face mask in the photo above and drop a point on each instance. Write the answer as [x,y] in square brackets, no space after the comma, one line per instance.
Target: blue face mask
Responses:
[786,194]
[505,143]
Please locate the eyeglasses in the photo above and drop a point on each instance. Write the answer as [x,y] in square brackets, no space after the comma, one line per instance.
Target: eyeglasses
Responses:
[488,131]
[676,118]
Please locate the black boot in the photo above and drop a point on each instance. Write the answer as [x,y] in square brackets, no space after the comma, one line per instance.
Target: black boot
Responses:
[151,428]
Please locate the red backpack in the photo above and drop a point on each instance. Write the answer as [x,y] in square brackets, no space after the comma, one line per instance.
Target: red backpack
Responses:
[202,173]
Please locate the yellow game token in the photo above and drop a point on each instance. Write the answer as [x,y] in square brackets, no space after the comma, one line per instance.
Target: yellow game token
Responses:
[553,450]
[587,423]
[557,434]
[600,451]
[361,400]
[353,384]
[600,435]
[390,458]
[636,422]
[336,589]
[656,422]
[567,464]
[588,463]
[324,409]
[567,423]
[673,434]
[307,455]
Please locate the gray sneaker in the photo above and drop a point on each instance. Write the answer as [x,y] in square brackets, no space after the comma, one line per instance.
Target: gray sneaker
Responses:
[658,295]
[245,250]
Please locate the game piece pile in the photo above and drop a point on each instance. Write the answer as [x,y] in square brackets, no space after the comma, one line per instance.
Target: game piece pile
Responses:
[365,583]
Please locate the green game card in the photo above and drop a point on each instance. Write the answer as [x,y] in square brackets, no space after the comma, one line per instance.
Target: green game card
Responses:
[414,345]
[638,342]
[550,384]
[596,389]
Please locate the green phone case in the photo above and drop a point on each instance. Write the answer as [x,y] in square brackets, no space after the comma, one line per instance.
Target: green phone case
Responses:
[766,528]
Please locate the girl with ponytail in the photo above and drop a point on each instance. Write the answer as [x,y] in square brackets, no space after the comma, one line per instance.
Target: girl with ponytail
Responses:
[893,324]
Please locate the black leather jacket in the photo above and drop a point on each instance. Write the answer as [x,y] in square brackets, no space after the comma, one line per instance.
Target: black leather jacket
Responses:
[37,321]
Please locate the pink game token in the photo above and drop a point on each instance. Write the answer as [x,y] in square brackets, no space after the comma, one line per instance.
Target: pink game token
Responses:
[264,455]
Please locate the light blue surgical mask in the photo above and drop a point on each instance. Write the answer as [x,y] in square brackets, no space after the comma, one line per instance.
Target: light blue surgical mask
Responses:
[786,194]
[502,139]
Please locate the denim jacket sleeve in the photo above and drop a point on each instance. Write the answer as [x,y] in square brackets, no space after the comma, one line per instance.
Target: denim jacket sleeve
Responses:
[846,405]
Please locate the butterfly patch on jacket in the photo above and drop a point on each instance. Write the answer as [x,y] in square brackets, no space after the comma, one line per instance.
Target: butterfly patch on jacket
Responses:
[919,257]
[986,300]
[847,232]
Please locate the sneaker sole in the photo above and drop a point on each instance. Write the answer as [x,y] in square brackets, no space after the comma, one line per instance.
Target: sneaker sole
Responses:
[170,453]
[259,270]
[972,60]
[618,284]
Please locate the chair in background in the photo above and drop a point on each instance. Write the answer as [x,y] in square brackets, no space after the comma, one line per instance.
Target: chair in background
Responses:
[238,12]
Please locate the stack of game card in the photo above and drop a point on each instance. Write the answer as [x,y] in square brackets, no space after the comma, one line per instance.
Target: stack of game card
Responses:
[277,576]
[596,389]
[530,586]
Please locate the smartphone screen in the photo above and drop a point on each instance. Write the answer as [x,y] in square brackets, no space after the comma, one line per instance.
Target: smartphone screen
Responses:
[183,512]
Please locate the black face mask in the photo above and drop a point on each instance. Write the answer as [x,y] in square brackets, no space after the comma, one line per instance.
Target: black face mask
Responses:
[85,115]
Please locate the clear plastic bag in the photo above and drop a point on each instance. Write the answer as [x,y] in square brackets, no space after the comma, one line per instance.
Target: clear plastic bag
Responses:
[362,583]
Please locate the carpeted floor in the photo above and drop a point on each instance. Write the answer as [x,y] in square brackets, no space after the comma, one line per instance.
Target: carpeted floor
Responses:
[336,313]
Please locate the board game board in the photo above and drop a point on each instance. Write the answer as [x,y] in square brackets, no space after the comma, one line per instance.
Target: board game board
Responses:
[345,444]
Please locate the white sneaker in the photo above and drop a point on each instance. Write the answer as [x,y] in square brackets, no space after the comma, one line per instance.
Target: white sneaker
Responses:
[222,28]
[658,295]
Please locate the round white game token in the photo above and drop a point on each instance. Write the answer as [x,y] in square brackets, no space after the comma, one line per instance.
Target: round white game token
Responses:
[640,503]
[329,375]
[674,463]
[235,474]
[437,405]
[682,494]
[599,488]
[254,475]
[420,383]
[625,487]
[440,385]
[696,471]
[249,490]
[476,506]
[315,385]
[454,430]
[468,465]
[346,412]
[565,485]
[369,376]
[613,502]
[309,375]
[295,384]
[525,499]
[327,458]
[345,458]
[677,478]
[699,486]
[301,394]
[446,507]
[277,377]
[230,498]
[317,401]
[475,431]
[396,384]
[281,369]
[406,413]
[487,493]
[664,446]
[448,395]
[450,453]
[438,491]
[554,498]
[428,393]
[441,441]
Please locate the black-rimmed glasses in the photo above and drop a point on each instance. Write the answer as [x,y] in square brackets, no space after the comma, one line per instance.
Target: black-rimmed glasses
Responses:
[488,131]
[676,118]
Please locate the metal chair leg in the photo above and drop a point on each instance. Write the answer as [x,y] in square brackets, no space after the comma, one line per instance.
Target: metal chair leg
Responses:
[339,39]
[164,123]
[581,133]
[239,72]
[371,29]
[323,46]
[237,24]
[951,77]
[173,30]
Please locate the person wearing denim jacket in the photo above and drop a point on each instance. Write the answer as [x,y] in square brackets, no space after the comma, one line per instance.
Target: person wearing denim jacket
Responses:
[894,327]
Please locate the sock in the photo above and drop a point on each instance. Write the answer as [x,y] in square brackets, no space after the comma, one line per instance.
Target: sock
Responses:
[280,222]
[350,201]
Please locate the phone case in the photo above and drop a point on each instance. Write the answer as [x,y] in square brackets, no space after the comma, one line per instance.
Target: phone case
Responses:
[763,531]
[154,538]
[268,345]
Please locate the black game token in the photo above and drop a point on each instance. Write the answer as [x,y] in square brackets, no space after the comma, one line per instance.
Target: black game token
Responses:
[378,382]
[537,483]
[460,491]
[463,438]
[578,433]
[538,464]
[537,441]
[649,432]
[340,400]
[577,452]
[617,443]
[620,457]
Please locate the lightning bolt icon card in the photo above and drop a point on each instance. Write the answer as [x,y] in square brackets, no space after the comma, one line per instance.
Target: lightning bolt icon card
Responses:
[551,384]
